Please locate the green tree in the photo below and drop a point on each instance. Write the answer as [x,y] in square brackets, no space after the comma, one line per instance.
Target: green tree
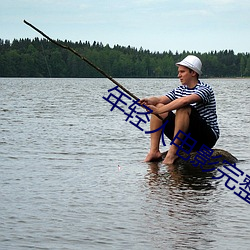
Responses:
[247,69]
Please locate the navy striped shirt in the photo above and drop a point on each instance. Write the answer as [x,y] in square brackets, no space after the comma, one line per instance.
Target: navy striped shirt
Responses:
[206,108]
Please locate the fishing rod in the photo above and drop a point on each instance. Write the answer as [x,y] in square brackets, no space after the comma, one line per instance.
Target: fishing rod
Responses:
[87,61]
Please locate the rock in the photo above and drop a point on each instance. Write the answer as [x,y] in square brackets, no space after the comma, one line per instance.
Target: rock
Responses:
[217,158]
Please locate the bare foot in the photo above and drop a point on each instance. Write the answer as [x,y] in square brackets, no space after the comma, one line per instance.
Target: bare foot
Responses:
[153,156]
[170,158]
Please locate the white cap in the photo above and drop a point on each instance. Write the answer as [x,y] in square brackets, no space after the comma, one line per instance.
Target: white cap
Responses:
[191,62]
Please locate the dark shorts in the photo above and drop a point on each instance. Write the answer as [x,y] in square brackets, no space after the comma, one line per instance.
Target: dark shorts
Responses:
[198,128]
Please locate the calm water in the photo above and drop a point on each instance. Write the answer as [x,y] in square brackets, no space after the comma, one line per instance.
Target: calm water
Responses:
[72,175]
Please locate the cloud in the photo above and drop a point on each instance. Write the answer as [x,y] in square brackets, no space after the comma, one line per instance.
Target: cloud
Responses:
[149,2]
[221,2]
[152,24]
[224,5]
[83,6]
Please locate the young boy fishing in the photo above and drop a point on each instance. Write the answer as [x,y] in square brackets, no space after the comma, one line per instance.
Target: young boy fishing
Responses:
[195,107]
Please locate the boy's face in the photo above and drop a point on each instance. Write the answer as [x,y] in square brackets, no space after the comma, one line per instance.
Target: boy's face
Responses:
[185,75]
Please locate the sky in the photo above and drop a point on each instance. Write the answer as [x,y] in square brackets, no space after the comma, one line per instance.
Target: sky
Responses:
[155,25]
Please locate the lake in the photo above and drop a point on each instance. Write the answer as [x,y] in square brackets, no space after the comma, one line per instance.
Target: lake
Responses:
[72,174]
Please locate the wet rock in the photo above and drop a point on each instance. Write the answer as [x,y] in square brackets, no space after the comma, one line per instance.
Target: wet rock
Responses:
[217,158]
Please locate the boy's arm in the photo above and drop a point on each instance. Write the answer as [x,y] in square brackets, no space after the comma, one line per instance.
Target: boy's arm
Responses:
[176,104]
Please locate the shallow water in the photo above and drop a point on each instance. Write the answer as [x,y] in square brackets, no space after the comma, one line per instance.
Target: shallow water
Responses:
[72,175]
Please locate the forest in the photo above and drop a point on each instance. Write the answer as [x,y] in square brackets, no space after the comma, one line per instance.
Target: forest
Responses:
[41,58]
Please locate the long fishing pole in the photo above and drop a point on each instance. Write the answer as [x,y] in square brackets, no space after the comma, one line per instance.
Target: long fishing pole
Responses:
[87,61]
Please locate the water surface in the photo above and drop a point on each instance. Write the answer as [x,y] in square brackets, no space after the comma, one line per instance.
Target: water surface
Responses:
[72,175]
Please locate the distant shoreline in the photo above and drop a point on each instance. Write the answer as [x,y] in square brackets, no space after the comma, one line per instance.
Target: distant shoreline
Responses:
[41,58]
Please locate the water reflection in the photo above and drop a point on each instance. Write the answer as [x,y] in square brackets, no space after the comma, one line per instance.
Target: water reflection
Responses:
[180,176]
[183,196]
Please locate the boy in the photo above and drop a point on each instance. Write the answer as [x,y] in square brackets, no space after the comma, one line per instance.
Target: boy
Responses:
[195,107]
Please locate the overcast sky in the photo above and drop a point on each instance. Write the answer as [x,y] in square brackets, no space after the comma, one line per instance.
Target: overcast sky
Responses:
[157,25]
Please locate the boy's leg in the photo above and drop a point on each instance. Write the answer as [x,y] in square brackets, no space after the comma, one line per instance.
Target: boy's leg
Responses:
[155,123]
[182,118]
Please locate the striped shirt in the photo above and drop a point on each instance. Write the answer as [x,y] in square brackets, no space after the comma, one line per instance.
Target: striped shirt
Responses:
[206,108]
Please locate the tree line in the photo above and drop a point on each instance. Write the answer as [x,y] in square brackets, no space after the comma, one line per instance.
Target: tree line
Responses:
[41,58]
